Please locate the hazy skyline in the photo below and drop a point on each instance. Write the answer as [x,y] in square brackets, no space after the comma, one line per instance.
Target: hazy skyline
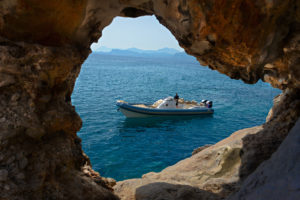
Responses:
[142,33]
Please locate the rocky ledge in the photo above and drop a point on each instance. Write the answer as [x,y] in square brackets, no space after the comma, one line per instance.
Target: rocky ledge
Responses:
[42,47]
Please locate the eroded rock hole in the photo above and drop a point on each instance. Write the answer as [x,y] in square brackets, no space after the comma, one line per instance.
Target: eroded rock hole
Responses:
[127,148]
[44,43]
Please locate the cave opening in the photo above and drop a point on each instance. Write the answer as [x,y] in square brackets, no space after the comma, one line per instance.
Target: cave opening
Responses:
[128,148]
[43,46]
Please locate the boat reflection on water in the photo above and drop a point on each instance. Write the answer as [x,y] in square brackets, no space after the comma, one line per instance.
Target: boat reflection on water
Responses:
[162,127]
[156,122]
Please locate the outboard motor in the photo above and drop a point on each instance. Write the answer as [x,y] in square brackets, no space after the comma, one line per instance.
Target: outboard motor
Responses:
[209,104]
[203,102]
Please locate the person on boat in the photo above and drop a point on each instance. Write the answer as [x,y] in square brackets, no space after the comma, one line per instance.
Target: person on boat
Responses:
[209,104]
[176,98]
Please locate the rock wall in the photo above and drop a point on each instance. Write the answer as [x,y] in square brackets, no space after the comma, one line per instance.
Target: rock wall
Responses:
[44,43]
[41,155]
[278,177]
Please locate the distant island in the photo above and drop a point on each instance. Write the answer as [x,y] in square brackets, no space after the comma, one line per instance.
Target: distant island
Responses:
[134,52]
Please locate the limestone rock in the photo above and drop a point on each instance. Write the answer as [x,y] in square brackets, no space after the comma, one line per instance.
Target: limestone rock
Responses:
[23,162]
[197,150]
[6,80]
[172,192]
[35,132]
[277,178]
[260,147]
[3,175]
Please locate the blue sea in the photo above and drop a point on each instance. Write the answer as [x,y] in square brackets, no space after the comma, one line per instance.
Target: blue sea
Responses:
[128,148]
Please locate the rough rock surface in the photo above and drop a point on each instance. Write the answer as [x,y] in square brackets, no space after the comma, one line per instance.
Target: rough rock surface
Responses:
[44,43]
[41,156]
[197,150]
[159,190]
[278,177]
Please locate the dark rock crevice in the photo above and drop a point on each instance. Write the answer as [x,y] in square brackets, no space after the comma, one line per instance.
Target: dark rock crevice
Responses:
[133,12]
[260,146]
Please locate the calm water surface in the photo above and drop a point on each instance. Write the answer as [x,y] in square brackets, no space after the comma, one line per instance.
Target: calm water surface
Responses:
[127,148]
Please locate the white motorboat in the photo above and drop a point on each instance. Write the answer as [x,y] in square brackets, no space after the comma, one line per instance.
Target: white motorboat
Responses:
[165,107]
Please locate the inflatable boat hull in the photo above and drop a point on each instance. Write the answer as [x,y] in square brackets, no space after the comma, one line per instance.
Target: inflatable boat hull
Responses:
[131,111]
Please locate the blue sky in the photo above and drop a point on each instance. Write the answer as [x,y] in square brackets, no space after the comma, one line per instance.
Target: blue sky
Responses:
[142,32]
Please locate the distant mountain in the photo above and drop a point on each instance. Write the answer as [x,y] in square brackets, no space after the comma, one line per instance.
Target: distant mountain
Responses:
[103,49]
[134,52]
[122,52]
[168,51]
[159,51]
